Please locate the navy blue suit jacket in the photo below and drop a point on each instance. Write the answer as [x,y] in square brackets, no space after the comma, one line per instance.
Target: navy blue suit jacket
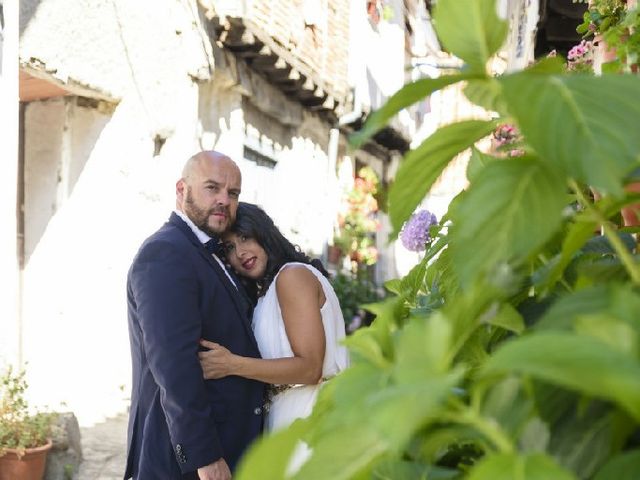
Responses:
[178,422]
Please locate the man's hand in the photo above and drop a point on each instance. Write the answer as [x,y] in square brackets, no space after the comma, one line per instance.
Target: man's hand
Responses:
[218,470]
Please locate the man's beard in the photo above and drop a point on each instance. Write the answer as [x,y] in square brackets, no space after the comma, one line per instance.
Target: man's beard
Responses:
[199,216]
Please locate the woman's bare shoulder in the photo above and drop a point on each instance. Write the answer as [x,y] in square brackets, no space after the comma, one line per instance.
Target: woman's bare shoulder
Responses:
[295,275]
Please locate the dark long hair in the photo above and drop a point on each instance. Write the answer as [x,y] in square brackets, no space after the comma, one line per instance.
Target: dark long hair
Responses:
[253,222]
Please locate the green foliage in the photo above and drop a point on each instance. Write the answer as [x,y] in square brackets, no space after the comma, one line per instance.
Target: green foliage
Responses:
[512,351]
[354,289]
[619,27]
[19,429]
[359,223]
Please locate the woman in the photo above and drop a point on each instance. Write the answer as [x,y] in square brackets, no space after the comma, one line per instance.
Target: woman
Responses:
[297,320]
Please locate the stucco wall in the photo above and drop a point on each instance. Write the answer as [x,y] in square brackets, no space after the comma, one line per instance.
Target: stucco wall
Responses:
[9,272]
[94,188]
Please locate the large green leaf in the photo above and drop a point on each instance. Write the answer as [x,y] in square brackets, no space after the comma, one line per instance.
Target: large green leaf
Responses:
[511,466]
[424,349]
[269,456]
[573,361]
[477,162]
[577,235]
[356,434]
[407,470]
[511,209]
[508,404]
[343,454]
[614,300]
[507,317]
[422,166]
[584,438]
[398,412]
[580,122]
[624,466]
[470,29]
[403,98]
[487,93]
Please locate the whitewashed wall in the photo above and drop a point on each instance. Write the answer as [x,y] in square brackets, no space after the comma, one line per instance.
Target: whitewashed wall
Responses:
[9,273]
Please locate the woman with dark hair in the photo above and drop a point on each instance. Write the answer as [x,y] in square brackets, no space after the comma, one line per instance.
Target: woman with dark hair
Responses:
[297,319]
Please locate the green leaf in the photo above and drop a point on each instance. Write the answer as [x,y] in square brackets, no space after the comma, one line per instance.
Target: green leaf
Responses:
[624,466]
[548,65]
[508,318]
[508,404]
[601,245]
[364,344]
[477,162]
[414,280]
[269,456]
[511,466]
[582,441]
[403,98]
[577,235]
[511,209]
[374,342]
[398,412]
[534,437]
[406,470]
[615,333]
[341,455]
[470,29]
[573,361]
[422,166]
[394,286]
[487,93]
[617,301]
[579,122]
[424,349]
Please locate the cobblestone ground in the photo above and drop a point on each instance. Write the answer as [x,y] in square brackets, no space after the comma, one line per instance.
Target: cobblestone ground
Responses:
[104,448]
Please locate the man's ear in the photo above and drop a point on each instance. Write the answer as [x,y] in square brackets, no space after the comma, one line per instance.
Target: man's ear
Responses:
[181,190]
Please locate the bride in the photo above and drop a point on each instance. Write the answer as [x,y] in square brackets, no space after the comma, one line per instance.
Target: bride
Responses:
[297,320]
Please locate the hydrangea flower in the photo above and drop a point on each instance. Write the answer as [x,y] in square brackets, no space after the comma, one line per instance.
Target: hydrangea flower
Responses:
[580,57]
[415,232]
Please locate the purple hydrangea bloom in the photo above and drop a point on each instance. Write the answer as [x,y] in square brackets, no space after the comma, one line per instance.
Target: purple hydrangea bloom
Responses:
[415,232]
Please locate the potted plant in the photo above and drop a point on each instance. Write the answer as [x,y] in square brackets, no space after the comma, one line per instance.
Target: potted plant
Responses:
[25,437]
[358,223]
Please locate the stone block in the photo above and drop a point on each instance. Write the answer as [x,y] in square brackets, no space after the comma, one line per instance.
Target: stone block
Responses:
[64,458]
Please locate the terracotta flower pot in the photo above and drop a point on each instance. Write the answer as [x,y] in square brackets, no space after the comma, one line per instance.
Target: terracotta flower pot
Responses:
[334,254]
[29,466]
[631,213]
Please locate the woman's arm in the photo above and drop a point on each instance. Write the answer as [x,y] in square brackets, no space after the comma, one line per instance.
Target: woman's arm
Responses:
[300,297]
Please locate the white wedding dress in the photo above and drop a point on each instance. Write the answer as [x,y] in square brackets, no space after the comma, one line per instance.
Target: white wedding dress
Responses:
[269,330]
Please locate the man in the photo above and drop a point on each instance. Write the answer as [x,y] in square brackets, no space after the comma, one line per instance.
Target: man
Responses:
[181,426]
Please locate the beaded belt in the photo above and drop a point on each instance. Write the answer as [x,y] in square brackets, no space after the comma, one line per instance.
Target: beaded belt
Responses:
[273,390]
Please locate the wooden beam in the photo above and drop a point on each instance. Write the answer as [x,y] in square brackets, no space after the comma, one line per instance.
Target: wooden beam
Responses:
[33,88]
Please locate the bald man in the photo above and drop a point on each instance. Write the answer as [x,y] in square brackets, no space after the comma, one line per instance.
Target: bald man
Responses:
[180,425]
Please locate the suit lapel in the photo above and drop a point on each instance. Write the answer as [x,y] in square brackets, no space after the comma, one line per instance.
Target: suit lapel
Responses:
[238,296]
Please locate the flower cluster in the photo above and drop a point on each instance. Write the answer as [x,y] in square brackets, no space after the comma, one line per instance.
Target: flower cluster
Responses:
[507,134]
[580,57]
[358,222]
[415,232]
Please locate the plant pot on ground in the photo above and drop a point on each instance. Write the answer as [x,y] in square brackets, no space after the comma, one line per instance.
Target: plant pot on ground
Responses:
[25,437]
